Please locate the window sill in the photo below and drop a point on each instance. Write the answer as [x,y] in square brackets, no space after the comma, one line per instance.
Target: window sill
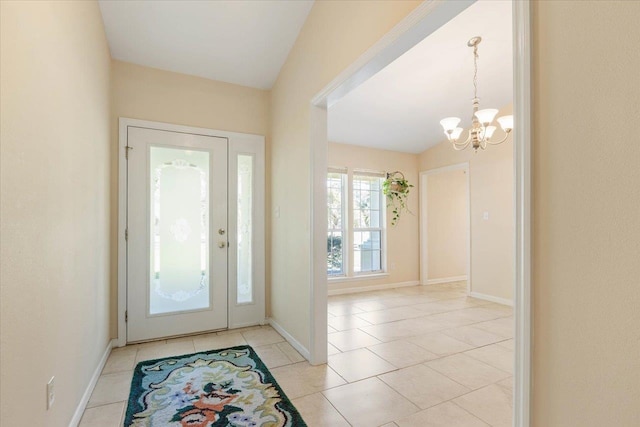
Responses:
[357,278]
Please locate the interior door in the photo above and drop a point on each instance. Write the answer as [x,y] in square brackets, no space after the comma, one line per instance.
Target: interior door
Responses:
[176,233]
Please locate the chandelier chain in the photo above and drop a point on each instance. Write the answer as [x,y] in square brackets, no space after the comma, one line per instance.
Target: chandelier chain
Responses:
[475,71]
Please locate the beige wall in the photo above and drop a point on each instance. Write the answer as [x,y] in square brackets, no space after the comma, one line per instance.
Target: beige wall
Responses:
[150,94]
[491,190]
[54,199]
[586,190]
[333,36]
[447,223]
[402,240]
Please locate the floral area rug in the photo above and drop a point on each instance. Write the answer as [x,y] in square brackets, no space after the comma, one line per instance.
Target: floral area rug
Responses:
[230,388]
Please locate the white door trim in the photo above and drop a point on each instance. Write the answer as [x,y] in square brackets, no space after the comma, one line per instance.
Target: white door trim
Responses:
[425,19]
[123,123]
[424,251]
[523,211]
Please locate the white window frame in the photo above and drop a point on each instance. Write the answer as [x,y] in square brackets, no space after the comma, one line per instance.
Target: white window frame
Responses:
[382,229]
[344,220]
[349,229]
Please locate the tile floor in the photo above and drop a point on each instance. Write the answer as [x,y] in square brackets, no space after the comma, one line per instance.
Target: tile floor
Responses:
[415,356]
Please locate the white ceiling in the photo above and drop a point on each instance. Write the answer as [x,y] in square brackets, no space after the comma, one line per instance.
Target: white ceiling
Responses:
[242,42]
[400,108]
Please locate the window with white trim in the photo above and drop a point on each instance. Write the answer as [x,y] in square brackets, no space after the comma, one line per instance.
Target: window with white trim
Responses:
[336,227]
[368,227]
[355,246]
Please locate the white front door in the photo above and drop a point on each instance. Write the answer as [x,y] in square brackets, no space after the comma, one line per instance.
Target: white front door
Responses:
[177,239]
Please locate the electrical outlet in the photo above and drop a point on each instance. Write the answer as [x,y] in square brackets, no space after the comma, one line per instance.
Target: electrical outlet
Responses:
[51,394]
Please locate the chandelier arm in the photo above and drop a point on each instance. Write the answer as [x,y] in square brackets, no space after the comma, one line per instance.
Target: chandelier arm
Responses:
[460,147]
[465,142]
[501,141]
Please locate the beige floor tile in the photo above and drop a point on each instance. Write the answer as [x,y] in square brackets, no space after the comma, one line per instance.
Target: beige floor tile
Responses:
[359,364]
[402,353]
[390,315]
[473,336]
[331,349]
[451,319]
[402,329]
[481,302]
[166,350]
[301,379]
[316,411]
[485,313]
[369,403]
[440,344]
[467,371]
[504,327]
[401,301]
[507,384]
[263,336]
[111,388]
[390,425]
[493,404]
[447,294]
[216,342]
[462,317]
[103,416]
[432,308]
[504,309]
[494,355]
[241,330]
[120,359]
[446,414]
[343,309]
[458,303]
[149,344]
[272,356]
[370,305]
[291,352]
[351,339]
[423,386]
[183,339]
[343,323]
[508,344]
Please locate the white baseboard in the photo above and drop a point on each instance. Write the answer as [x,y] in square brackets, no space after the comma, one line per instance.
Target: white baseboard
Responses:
[290,339]
[77,416]
[446,280]
[372,288]
[491,298]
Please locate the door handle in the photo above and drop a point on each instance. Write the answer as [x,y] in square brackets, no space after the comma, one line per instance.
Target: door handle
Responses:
[221,244]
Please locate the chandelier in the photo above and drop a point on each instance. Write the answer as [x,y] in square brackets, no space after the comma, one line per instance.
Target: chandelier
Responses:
[481,130]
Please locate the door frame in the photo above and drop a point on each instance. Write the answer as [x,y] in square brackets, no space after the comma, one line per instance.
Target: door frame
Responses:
[424,236]
[238,143]
[424,20]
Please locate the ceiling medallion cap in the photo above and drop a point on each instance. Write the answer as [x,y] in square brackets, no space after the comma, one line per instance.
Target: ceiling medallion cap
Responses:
[474,41]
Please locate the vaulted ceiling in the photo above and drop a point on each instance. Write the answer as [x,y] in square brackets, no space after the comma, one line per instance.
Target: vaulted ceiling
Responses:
[241,42]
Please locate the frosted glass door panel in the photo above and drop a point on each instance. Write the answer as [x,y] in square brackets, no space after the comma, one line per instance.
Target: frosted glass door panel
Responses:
[179,230]
[245,228]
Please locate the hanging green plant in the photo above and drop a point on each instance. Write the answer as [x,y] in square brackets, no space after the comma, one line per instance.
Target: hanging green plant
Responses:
[396,188]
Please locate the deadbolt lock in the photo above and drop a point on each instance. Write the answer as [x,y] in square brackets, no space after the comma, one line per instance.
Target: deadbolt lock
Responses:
[221,231]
